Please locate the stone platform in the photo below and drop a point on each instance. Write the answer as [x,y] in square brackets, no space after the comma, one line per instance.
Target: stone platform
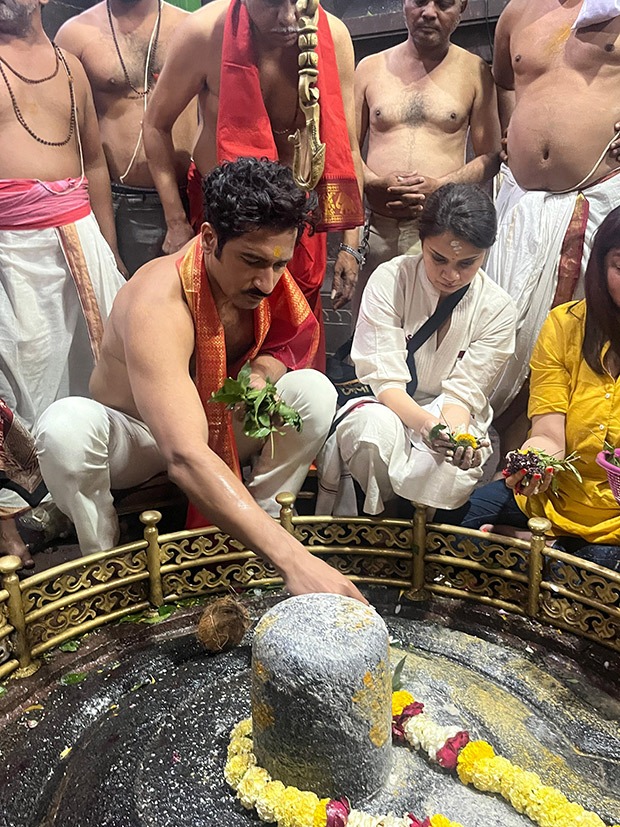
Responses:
[141,740]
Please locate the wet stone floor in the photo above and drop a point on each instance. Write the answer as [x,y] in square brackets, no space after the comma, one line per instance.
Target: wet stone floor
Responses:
[140,739]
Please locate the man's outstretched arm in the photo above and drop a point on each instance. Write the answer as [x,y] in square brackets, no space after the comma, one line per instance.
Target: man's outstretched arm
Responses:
[159,342]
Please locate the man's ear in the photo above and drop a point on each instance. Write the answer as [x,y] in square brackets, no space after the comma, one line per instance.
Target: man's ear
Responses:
[209,238]
[463,5]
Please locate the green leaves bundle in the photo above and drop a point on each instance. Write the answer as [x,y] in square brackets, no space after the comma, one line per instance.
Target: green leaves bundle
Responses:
[265,412]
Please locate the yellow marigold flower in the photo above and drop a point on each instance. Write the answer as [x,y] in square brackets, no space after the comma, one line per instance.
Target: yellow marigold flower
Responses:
[295,808]
[442,821]
[400,700]
[268,799]
[468,440]
[320,814]
[469,756]
[486,774]
[520,787]
[237,766]
[547,803]
[242,730]
[251,785]
[240,746]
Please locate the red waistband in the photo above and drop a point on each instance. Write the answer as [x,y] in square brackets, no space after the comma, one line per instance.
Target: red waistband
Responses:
[30,204]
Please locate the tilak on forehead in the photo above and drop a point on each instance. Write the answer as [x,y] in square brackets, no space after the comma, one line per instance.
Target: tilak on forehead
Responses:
[277,252]
[456,245]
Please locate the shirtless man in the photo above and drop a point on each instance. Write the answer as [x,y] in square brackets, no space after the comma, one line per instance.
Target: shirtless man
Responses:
[416,103]
[558,88]
[53,250]
[194,67]
[112,41]
[155,376]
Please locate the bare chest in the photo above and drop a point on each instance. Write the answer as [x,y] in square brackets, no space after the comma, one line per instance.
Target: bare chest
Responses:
[238,332]
[114,67]
[278,85]
[418,106]
[551,43]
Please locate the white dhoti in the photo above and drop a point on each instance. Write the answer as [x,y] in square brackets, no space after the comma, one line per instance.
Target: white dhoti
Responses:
[372,445]
[532,245]
[57,285]
[86,449]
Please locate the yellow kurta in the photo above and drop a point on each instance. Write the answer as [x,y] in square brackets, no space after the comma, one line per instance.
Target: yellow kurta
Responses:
[562,382]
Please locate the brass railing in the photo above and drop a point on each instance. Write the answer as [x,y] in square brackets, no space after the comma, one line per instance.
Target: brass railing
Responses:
[420,558]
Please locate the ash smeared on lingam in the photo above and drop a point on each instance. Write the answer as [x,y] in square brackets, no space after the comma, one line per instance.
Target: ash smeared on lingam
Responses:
[143,739]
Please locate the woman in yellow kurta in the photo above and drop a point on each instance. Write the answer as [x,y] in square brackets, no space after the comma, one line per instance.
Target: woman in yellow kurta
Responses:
[574,406]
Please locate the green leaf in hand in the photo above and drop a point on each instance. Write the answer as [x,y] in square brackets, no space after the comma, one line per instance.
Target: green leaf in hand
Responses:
[265,412]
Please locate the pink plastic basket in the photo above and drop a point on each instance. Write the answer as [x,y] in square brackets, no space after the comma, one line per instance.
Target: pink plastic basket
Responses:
[613,473]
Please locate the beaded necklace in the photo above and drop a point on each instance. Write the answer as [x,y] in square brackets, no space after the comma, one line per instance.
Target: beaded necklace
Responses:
[60,58]
[150,60]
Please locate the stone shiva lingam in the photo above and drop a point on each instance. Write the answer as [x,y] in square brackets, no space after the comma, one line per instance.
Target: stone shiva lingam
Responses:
[324,716]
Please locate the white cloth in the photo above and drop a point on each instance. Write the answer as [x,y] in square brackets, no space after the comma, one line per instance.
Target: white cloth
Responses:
[383,455]
[596,11]
[45,352]
[525,257]
[86,449]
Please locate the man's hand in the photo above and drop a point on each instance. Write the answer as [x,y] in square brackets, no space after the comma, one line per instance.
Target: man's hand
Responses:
[379,190]
[410,192]
[537,484]
[503,155]
[346,271]
[178,234]
[614,149]
[309,575]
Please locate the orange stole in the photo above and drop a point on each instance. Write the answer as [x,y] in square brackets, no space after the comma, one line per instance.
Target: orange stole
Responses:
[284,328]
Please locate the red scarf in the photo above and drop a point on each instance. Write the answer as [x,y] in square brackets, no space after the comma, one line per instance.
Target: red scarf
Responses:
[284,328]
[244,128]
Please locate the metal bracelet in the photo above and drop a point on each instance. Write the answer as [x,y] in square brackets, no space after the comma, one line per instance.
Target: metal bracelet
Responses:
[358,255]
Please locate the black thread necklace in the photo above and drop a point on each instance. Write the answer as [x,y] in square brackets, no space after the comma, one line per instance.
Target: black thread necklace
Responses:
[60,58]
[142,93]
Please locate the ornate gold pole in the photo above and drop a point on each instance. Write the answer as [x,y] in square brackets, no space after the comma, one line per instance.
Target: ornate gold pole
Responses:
[286,501]
[10,581]
[539,526]
[153,556]
[309,157]
[417,591]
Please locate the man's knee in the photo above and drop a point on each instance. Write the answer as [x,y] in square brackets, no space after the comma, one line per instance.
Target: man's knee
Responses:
[312,395]
[69,430]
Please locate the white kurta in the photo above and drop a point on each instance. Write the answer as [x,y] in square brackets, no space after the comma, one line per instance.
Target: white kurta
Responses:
[382,454]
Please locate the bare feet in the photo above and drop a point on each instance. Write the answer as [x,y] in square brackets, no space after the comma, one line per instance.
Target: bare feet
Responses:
[12,543]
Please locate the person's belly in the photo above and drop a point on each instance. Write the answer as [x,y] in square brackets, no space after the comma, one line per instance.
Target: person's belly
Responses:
[403,150]
[558,132]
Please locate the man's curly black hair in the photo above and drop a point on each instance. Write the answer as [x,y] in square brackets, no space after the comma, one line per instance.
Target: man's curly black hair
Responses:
[247,194]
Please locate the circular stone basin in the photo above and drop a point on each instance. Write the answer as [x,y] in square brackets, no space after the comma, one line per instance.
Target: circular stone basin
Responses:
[142,741]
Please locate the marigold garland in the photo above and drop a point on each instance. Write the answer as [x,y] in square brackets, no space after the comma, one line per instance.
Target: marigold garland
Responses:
[475,762]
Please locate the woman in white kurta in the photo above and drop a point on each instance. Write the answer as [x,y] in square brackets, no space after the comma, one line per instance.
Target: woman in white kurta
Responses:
[387,446]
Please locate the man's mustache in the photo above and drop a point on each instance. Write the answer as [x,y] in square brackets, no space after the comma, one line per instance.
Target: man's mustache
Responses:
[257,294]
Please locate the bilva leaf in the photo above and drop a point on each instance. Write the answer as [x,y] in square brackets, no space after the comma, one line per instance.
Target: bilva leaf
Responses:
[396,676]
[73,677]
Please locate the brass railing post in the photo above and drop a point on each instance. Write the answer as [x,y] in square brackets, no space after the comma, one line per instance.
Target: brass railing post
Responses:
[417,591]
[153,556]
[21,646]
[539,527]
[286,501]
